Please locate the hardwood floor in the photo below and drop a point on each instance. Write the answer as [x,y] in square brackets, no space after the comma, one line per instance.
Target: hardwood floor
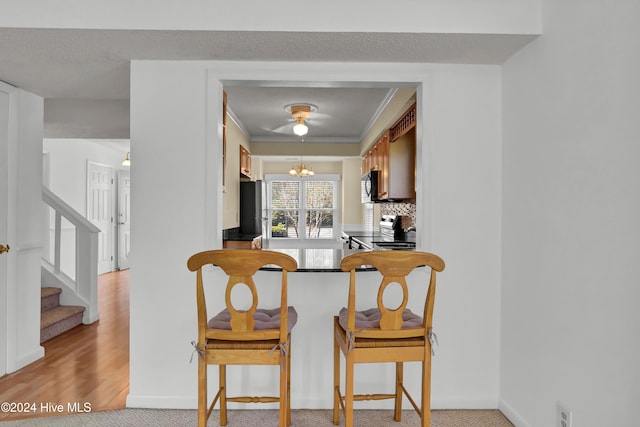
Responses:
[86,368]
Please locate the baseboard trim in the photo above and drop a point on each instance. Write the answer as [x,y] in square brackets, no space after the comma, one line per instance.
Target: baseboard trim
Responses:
[87,319]
[28,359]
[512,414]
[463,403]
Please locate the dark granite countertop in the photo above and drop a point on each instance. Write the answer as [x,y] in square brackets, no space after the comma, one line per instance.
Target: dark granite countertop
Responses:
[318,260]
[362,233]
[368,237]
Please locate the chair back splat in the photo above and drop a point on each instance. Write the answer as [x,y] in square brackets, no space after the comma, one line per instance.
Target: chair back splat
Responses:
[256,336]
[381,334]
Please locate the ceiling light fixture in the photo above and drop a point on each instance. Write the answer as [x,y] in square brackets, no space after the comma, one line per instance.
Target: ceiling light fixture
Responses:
[301,170]
[300,129]
[126,161]
[300,113]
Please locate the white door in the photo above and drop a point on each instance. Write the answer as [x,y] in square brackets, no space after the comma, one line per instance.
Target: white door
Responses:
[7,259]
[124,218]
[100,211]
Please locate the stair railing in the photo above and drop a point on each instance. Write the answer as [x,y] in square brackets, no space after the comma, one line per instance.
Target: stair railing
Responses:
[83,288]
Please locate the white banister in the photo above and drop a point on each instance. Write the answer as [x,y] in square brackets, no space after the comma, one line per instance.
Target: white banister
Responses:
[57,241]
[83,289]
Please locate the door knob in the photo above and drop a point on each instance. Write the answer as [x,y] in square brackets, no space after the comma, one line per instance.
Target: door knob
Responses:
[4,249]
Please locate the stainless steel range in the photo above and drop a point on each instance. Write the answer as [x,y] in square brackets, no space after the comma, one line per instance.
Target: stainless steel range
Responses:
[392,234]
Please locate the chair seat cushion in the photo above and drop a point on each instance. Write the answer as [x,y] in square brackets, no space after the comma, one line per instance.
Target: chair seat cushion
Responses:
[263,318]
[371,319]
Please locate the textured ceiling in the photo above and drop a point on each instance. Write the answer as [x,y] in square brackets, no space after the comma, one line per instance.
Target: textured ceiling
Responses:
[94,65]
[342,114]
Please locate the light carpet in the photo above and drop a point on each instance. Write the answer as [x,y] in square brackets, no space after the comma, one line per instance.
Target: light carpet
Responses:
[260,418]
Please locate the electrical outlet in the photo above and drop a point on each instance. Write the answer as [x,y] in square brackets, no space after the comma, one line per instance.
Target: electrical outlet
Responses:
[564,416]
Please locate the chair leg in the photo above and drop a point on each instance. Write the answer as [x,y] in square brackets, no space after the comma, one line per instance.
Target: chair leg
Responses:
[426,390]
[202,392]
[336,378]
[348,404]
[289,385]
[223,395]
[283,394]
[397,414]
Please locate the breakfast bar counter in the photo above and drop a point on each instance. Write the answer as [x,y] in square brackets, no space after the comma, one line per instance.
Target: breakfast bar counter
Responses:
[318,260]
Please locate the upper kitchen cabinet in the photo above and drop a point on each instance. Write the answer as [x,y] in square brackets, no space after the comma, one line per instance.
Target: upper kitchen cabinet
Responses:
[394,157]
[245,162]
[370,159]
[404,124]
[381,153]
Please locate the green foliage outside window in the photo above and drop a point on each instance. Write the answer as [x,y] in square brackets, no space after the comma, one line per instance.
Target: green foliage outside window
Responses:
[279,230]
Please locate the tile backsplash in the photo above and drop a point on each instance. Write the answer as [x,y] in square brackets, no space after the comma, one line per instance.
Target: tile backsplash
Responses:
[406,208]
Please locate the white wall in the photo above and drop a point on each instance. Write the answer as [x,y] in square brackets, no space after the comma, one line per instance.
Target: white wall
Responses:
[571,234]
[69,157]
[352,211]
[459,204]
[168,216]
[461,169]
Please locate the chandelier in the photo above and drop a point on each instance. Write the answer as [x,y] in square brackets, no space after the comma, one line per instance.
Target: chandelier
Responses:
[301,170]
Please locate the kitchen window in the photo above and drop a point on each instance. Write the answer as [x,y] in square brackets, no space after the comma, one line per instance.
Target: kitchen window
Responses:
[302,208]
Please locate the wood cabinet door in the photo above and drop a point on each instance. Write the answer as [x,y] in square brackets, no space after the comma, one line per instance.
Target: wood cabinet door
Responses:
[370,160]
[245,162]
[402,167]
[383,166]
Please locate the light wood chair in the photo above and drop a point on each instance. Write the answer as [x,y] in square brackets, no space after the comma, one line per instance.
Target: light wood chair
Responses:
[252,337]
[385,335]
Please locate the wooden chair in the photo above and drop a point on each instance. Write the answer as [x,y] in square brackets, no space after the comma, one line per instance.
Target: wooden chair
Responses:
[252,337]
[385,335]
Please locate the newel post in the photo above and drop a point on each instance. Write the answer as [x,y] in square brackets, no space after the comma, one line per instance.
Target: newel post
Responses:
[87,271]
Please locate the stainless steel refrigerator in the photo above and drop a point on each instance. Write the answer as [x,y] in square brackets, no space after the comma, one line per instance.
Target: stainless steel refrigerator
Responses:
[251,207]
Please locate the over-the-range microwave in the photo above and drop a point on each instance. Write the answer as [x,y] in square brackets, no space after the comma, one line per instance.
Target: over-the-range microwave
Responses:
[369,187]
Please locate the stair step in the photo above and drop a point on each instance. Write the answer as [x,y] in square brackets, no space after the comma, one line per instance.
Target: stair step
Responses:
[49,298]
[59,319]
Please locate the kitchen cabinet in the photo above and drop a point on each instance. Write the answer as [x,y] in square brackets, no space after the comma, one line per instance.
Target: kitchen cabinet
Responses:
[404,124]
[365,164]
[382,157]
[368,161]
[245,162]
[399,176]
[400,163]
[394,157]
[371,159]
